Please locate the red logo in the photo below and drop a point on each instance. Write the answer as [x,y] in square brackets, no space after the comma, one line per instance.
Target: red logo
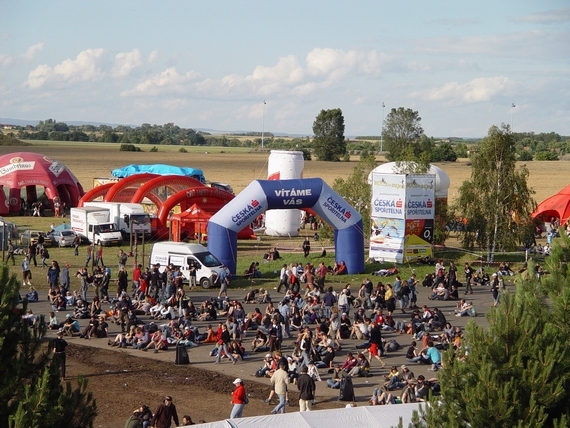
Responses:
[399,203]
[254,203]
[348,214]
[429,203]
[274,176]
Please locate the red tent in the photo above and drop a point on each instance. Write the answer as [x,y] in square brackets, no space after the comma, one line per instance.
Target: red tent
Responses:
[190,223]
[30,170]
[193,224]
[557,206]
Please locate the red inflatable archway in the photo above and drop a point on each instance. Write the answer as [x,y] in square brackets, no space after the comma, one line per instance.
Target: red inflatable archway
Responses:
[175,183]
[96,192]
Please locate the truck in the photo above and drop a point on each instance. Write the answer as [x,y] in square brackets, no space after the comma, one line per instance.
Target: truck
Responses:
[187,257]
[93,224]
[129,217]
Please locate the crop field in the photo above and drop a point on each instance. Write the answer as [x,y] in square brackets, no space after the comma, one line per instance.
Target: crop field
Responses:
[239,166]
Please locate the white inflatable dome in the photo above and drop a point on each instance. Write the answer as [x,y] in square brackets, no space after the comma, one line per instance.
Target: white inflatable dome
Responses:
[442,181]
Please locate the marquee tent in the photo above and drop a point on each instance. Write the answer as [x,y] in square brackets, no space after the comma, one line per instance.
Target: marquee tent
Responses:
[159,169]
[557,206]
[28,170]
[361,417]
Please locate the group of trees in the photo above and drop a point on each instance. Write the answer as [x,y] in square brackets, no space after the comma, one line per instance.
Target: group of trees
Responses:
[31,392]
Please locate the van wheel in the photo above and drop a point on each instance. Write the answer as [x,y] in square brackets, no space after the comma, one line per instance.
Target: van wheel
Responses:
[205,283]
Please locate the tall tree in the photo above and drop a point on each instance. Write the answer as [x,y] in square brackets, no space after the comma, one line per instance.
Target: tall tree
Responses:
[496,201]
[31,394]
[356,190]
[402,133]
[515,372]
[329,143]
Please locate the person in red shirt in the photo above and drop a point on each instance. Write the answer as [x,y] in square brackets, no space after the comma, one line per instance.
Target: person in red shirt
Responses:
[239,399]
[137,272]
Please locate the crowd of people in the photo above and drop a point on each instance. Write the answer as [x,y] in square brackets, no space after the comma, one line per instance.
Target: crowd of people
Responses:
[300,336]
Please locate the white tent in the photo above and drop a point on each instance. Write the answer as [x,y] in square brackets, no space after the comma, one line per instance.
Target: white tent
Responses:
[362,417]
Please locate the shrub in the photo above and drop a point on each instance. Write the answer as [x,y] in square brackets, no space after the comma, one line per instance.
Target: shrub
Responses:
[154,149]
[183,150]
[129,148]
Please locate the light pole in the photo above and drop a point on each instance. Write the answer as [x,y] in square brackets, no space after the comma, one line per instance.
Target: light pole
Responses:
[512,108]
[263,124]
[382,131]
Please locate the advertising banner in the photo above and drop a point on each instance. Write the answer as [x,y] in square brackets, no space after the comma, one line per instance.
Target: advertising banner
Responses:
[402,216]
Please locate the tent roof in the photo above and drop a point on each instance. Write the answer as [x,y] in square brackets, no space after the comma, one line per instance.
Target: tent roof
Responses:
[557,205]
[194,212]
[362,417]
[33,169]
[62,226]
[160,169]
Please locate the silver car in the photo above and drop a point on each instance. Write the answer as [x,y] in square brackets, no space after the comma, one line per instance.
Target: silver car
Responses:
[61,238]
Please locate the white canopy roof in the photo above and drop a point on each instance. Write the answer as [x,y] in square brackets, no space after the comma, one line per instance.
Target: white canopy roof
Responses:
[361,417]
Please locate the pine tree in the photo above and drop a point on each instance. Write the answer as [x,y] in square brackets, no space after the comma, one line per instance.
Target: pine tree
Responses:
[515,372]
[31,394]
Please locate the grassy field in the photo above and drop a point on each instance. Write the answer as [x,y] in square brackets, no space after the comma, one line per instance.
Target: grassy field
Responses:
[238,167]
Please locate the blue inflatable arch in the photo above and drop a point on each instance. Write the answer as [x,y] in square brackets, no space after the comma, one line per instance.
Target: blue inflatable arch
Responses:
[263,195]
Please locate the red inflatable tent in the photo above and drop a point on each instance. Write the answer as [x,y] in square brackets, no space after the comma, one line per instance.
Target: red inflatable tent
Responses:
[557,206]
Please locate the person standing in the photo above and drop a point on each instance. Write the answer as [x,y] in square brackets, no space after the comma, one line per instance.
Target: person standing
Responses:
[164,415]
[280,379]
[468,279]
[225,339]
[26,272]
[239,399]
[307,387]
[59,346]
[306,247]
[11,253]
[88,254]
[375,349]
[76,243]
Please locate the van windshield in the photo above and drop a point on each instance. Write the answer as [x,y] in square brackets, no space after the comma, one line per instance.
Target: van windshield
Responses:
[208,259]
[105,228]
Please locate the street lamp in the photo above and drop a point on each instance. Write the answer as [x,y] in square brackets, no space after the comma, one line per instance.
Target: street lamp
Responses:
[382,132]
[263,124]
[512,108]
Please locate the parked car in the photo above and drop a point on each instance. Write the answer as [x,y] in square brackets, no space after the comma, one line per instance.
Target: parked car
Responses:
[61,238]
[32,236]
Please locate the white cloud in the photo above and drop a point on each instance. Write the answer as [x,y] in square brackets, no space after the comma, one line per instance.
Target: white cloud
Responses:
[477,90]
[81,69]
[336,63]
[7,60]
[538,45]
[548,17]
[125,62]
[153,56]
[168,81]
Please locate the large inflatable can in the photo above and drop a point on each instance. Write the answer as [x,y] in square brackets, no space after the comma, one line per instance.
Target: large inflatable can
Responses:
[284,165]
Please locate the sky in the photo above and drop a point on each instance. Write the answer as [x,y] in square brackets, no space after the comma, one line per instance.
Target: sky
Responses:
[272,66]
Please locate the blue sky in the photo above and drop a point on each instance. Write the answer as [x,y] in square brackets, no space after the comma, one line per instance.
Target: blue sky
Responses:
[211,64]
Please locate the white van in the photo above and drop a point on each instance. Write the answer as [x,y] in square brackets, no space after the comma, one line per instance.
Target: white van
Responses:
[183,255]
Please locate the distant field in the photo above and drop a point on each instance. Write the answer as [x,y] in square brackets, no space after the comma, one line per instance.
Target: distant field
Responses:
[239,166]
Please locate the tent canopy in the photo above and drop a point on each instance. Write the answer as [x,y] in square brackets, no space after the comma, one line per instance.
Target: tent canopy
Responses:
[160,169]
[361,417]
[557,206]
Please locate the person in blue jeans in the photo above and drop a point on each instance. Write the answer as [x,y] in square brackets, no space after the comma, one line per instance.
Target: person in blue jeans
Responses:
[280,379]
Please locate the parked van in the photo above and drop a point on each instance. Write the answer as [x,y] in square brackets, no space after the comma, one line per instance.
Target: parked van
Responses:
[184,256]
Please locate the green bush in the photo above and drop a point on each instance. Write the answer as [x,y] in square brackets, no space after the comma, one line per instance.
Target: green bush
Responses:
[183,150]
[129,148]
[525,156]
[546,156]
[154,149]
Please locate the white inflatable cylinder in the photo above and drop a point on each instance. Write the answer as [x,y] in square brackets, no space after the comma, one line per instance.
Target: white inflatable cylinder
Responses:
[284,165]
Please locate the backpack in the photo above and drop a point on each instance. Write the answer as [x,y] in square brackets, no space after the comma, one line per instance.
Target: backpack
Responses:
[45,254]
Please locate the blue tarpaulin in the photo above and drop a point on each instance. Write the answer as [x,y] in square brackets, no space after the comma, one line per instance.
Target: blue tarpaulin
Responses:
[159,169]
